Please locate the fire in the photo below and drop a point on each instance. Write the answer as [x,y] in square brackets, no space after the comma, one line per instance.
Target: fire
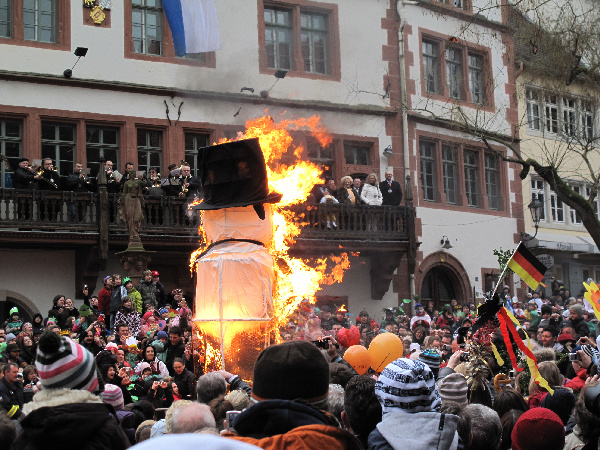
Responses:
[295,279]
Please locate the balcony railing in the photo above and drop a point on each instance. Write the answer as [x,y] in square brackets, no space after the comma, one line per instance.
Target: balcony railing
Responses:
[69,211]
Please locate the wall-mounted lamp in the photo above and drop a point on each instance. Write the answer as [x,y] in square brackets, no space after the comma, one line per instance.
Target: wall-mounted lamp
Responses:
[388,151]
[79,52]
[445,242]
[536,208]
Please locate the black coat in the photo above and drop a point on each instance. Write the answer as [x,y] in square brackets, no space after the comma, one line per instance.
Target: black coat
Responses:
[391,198]
[185,384]
[11,397]
[74,426]
[173,352]
[22,179]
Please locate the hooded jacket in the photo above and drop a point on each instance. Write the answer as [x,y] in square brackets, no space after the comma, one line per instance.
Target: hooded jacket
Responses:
[71,419]
[415,431]
[277,424]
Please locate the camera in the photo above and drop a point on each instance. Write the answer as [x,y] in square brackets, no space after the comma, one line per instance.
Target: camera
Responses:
[229,418]
[464,357]
[446,348]
[572,356]
[323,344]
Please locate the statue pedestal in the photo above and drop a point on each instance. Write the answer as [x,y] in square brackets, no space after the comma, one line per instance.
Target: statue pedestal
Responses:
[135,260]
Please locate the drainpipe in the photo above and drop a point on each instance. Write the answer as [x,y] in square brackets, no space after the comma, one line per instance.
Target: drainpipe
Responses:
[401,8]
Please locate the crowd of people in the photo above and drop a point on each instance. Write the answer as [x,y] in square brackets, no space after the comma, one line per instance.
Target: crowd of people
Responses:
[119,371]
[179,182]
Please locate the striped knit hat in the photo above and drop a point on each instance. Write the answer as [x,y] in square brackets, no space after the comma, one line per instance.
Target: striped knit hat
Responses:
[453,388]
[62,363]
[113,396]
[407,386]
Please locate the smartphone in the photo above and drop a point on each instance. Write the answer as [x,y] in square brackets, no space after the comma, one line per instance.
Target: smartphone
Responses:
[229,418]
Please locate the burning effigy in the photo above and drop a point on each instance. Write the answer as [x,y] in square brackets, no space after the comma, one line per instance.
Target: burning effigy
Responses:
[247,284]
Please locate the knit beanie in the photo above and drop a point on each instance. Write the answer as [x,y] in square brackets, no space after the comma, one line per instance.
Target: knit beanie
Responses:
[113,396]
[536,429]
[453,388]
[432,358]
[577,309]
[10,337]
[62,363]
[162,334]
[561,403]
[289,371]
[407,386]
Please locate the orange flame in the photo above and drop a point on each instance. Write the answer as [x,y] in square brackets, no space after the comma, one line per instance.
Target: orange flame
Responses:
[295,279]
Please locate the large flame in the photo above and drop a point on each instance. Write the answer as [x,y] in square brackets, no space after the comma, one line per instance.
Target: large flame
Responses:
[295,279]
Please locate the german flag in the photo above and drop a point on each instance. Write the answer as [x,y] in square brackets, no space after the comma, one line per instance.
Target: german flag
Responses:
[527,266]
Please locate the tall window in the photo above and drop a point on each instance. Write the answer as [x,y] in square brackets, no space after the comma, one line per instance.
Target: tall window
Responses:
[101,143]
[6,18]
[278,38]
[194,141]
[431,67]
[533,109]
[569,116]
[575,217]
[357,154]
[146,26]
[449,169]
[492,180]
[39,20]
[476,78]
[454,72]
[149,144]
[11,145]
[551,114]
[427,151]
[322,156]
[471,183]
[58,144]
[314,42]
[537,192]
[587,120]
[557,208]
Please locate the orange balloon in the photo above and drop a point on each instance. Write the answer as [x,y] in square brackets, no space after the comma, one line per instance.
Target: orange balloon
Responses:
[384,349]
[358,357]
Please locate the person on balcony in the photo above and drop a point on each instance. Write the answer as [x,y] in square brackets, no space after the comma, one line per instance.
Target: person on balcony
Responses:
[112,178]
[329,199]
[357,189]
[390,190]
[50,179]
[24,177]
[345,194]
[371,194]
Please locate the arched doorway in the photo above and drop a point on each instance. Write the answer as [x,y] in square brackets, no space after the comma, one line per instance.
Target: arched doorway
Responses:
[441,277]
[438,285]
[9,299]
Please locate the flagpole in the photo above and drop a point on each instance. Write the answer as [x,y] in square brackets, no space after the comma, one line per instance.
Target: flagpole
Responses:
[504,270]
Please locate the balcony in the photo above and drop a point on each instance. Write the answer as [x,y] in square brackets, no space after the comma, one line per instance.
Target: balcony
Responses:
[69,220]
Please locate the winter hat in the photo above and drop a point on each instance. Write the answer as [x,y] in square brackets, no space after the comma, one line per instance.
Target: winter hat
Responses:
[62,363]
[407,386]
[538,428]
[565,337]
[453,388]
[10,337]
[13,310]
[147,315]
[577,309]
[562,403]
[111,345]
[113,396]
[85,310]
[162,334]
[141,367]
[290,371]
[13,348]
[432,358]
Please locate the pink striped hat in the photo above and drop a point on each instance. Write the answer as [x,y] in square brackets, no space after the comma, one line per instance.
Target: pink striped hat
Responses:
[113,396]
[62,363]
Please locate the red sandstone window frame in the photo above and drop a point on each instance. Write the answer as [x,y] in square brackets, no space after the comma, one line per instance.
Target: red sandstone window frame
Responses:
[443,43]
[168,49]
[462,202]
[296,8]
[63,28]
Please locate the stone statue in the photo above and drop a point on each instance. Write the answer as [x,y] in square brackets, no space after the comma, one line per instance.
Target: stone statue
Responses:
[131,205]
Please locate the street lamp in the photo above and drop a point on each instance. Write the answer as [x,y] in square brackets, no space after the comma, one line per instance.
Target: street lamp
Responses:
[535,208]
